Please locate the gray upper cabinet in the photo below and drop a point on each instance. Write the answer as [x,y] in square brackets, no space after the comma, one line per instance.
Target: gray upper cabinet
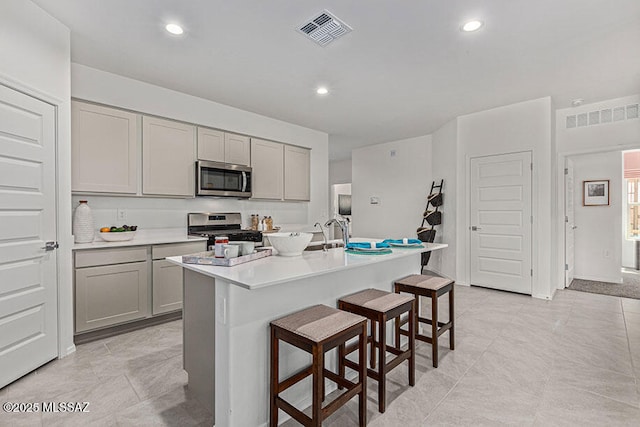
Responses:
[217,146]
[104,149]
[297,173]
[169,154]
[267,162]
[210,145]
[237,149]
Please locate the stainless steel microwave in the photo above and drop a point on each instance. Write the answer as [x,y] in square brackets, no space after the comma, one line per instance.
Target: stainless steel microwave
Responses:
[222,179]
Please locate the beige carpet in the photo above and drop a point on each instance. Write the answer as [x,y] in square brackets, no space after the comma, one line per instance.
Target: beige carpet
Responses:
[629,288]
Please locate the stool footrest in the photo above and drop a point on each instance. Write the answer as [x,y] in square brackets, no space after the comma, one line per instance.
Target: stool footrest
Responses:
[293,379]
[341,400]
[353,347]
[443,327]
[297,414]
[338,379]
[389,366]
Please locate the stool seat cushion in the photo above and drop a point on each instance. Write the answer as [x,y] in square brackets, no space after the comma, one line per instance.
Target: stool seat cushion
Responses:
[425,281]
[375,299]
[318,322]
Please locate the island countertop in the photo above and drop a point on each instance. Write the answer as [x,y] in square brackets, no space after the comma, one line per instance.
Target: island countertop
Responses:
[275,269]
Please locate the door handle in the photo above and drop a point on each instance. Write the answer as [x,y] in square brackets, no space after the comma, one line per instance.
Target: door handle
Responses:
[50,246]
[475,228]
[573,227]
[244,181]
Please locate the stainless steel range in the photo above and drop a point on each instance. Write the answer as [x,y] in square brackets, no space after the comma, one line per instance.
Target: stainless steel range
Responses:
[212,225]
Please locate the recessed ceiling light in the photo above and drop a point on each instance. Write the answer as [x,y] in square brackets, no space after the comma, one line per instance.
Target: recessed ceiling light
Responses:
[174,29]
[322,90]
[472,26]
[577,102]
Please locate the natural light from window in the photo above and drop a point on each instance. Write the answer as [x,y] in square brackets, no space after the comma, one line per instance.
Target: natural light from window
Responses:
[632,178]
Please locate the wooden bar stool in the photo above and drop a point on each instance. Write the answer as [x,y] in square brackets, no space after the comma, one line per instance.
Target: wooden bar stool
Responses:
[380,306]
[317,330]
[433,287]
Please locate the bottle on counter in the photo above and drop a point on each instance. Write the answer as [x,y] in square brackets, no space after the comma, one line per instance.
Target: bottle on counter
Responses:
[255,219]
[269,221]
[83,230]
[261,225]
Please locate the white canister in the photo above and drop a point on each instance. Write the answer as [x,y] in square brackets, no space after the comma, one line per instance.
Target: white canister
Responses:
[83,230]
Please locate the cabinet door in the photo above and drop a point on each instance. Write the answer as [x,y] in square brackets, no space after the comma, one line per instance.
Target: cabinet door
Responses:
[267,162]
[296,173]
[167,287]
[210,145]
[237,149]
[168,157]
[110,294]
[103,149]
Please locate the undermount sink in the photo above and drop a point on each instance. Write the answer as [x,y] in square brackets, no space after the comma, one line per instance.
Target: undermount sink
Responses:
[319,247]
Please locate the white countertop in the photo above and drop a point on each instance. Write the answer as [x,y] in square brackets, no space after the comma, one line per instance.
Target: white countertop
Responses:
[153,236]
[275,269]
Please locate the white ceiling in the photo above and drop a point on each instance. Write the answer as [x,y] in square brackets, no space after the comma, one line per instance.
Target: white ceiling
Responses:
[405,70]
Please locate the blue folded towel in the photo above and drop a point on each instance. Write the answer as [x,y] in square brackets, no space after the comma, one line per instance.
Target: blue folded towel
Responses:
[400,242]
[366,245]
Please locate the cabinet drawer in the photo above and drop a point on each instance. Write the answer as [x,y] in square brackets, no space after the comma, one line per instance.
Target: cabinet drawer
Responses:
[177,249]
[96,257]
[111,294]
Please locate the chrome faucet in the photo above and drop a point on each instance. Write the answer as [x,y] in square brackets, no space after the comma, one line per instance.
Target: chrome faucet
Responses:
[324,236]
[344,227]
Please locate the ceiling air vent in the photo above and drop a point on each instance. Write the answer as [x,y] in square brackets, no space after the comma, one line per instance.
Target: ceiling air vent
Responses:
[324,28]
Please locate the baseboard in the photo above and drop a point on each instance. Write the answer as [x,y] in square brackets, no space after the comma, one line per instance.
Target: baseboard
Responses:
[71,349]
[86,337]
[617,280]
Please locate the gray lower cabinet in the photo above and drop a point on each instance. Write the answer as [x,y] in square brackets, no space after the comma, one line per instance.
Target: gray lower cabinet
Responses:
[111,294]
[119,285]
[167,287]
[167,277]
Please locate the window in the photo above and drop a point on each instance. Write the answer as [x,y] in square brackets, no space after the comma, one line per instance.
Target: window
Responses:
[633,221]
[632,177]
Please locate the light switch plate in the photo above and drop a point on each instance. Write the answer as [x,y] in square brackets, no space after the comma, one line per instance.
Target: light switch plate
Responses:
[374,200]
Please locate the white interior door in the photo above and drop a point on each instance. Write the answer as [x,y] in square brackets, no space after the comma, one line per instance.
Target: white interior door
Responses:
[501,222]
[569,224]
[28,273]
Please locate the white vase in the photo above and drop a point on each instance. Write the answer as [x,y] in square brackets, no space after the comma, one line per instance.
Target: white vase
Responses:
[83,231]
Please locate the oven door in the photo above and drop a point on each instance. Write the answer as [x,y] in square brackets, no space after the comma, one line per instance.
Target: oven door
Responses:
[222,179]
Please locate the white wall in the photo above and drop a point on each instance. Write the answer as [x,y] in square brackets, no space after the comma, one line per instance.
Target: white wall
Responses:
[524,126]
[35,52]
[99,86]
[340,171]
[624,134]
[401,182]
[444,152]
[598,241]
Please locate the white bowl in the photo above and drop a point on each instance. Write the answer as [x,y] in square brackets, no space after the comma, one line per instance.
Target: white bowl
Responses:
[117,236]
[289,244]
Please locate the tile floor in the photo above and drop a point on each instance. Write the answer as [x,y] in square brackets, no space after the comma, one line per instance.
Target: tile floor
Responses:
[521,361]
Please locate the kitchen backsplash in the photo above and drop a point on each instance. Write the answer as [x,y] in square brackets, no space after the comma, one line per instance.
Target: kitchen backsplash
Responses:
[170,213]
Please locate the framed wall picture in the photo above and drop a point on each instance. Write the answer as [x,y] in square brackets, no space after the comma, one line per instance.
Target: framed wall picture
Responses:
[595,193]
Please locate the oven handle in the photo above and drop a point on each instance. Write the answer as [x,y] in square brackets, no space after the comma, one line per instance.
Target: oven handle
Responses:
[244,181]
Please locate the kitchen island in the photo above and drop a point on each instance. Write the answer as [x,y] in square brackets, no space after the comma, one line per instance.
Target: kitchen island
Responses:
[227,311]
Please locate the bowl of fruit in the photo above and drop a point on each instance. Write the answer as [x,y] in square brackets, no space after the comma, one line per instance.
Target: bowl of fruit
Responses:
[118,234]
